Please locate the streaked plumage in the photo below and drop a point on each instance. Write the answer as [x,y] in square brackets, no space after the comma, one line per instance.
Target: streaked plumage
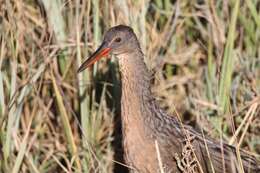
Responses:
[145,124]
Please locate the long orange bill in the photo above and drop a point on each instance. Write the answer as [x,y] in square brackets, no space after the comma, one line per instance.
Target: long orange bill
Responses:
[99,53]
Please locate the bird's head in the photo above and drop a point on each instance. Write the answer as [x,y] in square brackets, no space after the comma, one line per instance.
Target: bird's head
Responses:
[117,40]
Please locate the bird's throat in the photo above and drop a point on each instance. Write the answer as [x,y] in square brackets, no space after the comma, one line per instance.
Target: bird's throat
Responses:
[136,89]
[135,106]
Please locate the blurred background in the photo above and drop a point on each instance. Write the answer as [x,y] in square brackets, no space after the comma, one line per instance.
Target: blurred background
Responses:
[205,57]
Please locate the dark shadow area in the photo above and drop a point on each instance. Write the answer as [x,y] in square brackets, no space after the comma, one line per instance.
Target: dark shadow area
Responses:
[113,101]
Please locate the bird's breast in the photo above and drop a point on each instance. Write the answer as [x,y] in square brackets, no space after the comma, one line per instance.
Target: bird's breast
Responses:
[139,146]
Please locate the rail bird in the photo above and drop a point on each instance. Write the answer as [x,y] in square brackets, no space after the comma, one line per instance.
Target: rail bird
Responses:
[153,140]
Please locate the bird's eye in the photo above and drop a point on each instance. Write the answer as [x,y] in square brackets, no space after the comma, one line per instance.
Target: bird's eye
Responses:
[118,39]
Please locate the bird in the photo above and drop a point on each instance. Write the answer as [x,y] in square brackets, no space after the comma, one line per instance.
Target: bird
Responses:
[154,141]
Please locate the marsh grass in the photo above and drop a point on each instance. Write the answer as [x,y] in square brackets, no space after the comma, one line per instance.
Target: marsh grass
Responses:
[205,56]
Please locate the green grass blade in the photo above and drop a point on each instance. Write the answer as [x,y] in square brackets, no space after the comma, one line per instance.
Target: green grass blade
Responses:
[96,28]
[228,62]
[53,10]
[2,96]
[11,118]
[66,124]
[252,8]
[84,95]
[22,150]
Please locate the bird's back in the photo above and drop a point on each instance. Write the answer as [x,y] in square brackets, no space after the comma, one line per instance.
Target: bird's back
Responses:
[184,148]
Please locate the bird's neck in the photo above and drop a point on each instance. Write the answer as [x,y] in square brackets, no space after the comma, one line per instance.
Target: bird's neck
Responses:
[135,77]
[135,111]
[136,89]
